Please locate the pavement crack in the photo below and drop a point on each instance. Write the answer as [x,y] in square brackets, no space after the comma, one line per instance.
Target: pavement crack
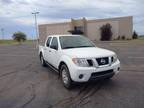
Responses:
[6,74]
[81,99]
[86,98]
[33,95]
[3,75]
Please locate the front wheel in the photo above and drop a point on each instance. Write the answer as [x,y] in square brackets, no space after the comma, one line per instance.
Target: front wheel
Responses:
[65,76]
[43,63]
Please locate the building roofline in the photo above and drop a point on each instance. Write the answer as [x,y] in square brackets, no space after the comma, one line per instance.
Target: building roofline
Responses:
[106,19]
[55,23]
[89,20]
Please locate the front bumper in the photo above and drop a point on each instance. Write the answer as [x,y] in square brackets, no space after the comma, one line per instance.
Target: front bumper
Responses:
[84,74]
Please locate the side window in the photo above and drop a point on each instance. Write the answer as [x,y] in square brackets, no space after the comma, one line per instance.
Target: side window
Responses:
[54,43]
[48,42]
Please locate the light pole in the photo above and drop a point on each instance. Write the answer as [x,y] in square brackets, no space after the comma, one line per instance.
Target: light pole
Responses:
[36,27]
[2,32]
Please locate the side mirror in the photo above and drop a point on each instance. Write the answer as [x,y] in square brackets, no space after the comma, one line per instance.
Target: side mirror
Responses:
[54,47]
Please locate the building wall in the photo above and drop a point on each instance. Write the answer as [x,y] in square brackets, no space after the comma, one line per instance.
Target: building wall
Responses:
[50,29]
[122,26]
[58,29]
[93,29]
[126,27]
[42,32]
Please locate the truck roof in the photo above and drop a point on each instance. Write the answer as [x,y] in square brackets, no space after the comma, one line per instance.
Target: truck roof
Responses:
[62,35]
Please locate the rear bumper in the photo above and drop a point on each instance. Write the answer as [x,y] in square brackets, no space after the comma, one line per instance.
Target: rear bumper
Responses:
[84,74]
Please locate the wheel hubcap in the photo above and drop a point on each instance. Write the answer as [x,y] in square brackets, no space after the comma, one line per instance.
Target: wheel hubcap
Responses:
[64,76]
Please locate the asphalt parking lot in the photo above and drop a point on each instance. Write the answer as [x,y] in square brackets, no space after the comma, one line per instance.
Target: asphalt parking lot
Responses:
[24,83]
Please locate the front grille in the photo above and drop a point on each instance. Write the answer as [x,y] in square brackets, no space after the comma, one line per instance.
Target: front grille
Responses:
[102,61]
[103,73]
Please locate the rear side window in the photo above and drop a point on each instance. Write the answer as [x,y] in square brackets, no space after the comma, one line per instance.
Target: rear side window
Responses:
[48,42]
[54,43]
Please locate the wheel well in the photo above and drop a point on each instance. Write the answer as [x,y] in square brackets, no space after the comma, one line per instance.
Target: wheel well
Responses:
[40,54]
[61,63]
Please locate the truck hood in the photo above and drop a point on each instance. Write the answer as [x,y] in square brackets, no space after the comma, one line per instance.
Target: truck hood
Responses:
[92,52]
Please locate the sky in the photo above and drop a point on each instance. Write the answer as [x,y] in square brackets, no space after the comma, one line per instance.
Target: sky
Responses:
[15,15]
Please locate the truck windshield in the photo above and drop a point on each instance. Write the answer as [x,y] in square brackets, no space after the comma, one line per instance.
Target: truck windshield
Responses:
[75,42]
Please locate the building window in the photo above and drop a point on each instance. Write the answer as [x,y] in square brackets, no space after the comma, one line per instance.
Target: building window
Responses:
[78,28]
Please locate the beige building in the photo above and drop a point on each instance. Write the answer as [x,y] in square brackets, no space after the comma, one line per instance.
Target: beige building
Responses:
[121,26]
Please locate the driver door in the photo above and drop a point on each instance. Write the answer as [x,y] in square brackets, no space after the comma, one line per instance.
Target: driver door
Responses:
[54,52]
[47,50]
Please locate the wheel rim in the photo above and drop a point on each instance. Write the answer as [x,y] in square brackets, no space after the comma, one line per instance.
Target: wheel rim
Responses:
[64,76]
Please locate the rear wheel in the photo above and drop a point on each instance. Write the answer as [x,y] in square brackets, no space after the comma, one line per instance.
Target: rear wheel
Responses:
[65,76]
[43,62]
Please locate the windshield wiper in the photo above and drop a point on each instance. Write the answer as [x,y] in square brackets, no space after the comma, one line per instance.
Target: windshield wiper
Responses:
[76,47]
[68,47]
[85,46]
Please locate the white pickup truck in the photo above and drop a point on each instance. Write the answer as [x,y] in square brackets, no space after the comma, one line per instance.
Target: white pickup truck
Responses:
[77,59]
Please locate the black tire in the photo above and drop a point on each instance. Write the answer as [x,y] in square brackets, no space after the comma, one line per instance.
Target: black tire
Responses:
[43,62]
[65,76]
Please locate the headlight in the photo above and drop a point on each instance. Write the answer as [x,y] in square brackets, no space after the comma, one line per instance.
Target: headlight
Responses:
[81,62]
[114,58]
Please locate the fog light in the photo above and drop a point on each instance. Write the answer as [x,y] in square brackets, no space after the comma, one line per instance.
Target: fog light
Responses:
[80,76]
